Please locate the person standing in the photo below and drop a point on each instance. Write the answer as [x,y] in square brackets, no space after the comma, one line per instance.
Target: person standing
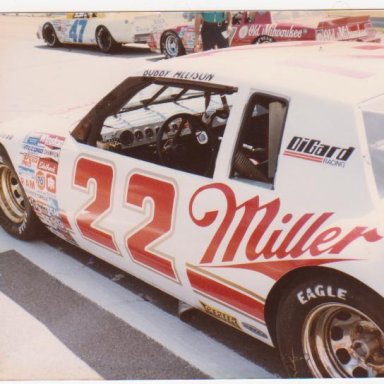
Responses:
[214,28]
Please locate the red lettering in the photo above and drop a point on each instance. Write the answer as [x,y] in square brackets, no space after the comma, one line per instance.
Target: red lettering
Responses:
[369,235]
[280,242]
[210,217]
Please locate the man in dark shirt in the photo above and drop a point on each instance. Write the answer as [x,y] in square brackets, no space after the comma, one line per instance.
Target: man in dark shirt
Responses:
[214,28]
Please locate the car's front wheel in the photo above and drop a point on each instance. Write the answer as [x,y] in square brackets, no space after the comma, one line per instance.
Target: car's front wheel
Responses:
[16,214]
[105,41]
[330,326]
[171,45]
[49,36]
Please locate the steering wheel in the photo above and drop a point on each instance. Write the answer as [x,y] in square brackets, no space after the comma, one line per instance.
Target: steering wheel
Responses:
[181,140]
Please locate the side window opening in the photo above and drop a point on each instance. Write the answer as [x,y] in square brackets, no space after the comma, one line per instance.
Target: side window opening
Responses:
[175,124]
[258,146]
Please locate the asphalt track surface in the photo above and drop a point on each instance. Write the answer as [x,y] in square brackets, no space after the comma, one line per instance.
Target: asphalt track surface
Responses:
[67,315]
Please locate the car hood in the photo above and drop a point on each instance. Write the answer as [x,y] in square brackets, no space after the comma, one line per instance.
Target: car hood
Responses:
[60,122]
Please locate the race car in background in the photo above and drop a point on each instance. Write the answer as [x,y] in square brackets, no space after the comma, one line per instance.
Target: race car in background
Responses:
[106,30]
[258,199]
[257,27]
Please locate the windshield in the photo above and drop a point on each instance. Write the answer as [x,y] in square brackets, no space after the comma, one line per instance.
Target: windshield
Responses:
[280,16]
[158,93]
[373,114]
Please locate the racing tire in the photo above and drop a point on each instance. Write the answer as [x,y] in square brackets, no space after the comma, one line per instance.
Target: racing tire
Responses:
[49,36]
[171,45]
[105,41]
[264,39]
[16,213]
[331,326]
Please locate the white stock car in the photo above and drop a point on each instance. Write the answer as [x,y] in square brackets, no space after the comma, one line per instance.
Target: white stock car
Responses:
[106,30]
[246,182]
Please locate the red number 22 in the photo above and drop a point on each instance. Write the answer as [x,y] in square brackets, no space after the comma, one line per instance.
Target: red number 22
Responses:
[141,188]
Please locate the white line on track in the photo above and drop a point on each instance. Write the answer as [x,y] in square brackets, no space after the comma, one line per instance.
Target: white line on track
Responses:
[199,350]
[22,336]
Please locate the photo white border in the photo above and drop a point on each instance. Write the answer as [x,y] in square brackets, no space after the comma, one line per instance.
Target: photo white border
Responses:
[179,5]
[12,6]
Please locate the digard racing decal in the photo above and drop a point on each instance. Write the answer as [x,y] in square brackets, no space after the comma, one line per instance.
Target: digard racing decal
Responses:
[182,75]
[315,150]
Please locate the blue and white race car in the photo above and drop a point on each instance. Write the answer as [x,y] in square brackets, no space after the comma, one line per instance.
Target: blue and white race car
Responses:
[106,30]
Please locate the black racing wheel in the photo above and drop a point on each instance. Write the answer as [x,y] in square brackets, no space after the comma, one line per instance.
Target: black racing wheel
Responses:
[49,35]
[105,41]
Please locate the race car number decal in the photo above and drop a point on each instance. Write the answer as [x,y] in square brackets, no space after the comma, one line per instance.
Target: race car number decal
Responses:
[101,175]
[96,178]
[162,197]
[77,30]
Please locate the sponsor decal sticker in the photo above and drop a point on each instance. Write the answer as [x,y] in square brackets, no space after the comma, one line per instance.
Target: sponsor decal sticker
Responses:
[40,180]
[254,330]
[52,141]
[26,171]
[226,318]
[316,151]
[51,183]
[6,136]
[275,233]
[33,149]
[32,140]
[29,160]
[48,165]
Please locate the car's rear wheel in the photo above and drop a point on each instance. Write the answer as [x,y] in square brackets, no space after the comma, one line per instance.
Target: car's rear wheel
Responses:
[49,36]
[16,214]
[263,39]
[329,326]
[105,41]
[171,45]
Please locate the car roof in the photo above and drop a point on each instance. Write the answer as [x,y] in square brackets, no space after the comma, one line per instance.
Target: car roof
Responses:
[343,71]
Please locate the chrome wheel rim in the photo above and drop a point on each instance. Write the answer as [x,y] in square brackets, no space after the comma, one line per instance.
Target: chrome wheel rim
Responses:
[172,45]
[12,198]
[340,341]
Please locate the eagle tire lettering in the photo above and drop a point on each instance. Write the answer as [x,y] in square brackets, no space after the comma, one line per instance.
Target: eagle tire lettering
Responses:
[319,291]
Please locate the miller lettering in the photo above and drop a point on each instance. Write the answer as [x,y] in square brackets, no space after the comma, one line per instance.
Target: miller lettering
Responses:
[274,235]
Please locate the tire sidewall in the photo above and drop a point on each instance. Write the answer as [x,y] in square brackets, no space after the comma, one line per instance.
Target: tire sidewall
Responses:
[55,42]
[171,35]
[30,227]
[103,48]
[264,39]
[301,300]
